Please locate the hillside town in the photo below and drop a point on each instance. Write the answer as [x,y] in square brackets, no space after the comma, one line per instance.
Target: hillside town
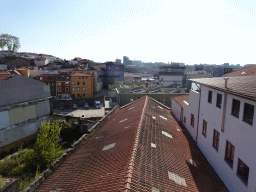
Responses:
[132,126]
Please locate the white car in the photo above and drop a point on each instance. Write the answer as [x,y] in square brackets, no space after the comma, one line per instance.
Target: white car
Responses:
[97,104]
[86,106]
[74,106]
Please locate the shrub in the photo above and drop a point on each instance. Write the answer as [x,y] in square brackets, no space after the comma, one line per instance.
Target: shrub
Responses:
[46,146]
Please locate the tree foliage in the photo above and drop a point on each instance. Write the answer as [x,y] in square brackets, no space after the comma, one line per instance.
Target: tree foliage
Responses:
[46,147]
[10,42]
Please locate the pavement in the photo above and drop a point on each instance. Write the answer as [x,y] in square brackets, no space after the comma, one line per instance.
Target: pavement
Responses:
[81,112]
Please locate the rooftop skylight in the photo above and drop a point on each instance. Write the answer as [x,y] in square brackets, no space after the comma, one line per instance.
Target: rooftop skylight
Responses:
[153,145]
[130,108]
[166,134]
[163,117]
[122,120]
[177,179]
[155,189]
[109,146]
[160,107]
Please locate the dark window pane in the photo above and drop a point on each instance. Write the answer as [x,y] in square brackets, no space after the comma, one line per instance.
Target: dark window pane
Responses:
[229,155]
[219,100]
[235,108]
[210,97]
[248,113]
[243,171]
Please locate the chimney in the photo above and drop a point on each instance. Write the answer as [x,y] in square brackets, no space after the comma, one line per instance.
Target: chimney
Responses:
[226,82]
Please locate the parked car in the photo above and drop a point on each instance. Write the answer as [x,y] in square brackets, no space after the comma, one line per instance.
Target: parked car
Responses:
[86,106]
[97,104]
[74,106]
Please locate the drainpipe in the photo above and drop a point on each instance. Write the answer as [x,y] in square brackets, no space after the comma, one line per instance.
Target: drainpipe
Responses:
[198,114]
[224,111]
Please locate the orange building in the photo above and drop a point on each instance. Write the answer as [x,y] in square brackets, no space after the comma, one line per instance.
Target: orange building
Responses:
[81,86]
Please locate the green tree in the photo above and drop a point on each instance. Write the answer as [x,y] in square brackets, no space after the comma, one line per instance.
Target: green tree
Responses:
[10,42]
[46,148]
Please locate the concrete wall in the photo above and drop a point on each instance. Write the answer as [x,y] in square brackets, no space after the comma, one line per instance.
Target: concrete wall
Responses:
[20,131]
[176,109]
[169,80]
[240,134]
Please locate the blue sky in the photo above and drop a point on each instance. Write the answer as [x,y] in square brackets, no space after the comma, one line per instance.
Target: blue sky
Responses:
[193,32]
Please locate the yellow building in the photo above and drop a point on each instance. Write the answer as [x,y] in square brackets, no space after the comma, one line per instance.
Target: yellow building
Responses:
[81,86]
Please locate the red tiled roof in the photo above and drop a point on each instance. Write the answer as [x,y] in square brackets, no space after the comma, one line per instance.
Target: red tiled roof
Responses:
[247,71]
[133,151]
[179,99]
[4,76]
[240,86]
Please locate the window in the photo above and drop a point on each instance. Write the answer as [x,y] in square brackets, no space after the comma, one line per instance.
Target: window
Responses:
[78,82]
[49,77]
[67,89]
[210,97]
[67,83]
[73,89]
[59,84]
[216,137]
[235,108]
[229,155]
[219,100]
[248,113]
[59,89]
[72,77]
[192,121]
[243,171]
[73,82]
[204,128]
[83,83]
[41,78]
[78,95]
[78,88]
[84,95]
[83,88]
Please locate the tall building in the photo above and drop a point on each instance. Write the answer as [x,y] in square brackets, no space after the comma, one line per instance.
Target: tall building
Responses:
[118,61]
[126,60]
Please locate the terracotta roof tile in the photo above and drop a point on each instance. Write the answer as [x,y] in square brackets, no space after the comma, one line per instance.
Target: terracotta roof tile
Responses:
[247,71]
[129,161]
[240,86]
[4,76]
[179,99]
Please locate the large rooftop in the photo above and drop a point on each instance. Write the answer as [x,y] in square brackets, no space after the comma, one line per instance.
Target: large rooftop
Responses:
[240,86]
[140,148]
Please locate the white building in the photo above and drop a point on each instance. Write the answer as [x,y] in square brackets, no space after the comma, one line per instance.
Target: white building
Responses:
[41,62]
[221,118]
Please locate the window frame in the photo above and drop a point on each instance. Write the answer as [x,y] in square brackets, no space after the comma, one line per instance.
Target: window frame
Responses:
[83,88]
[78,89]
[78,83]
[209,96]
[229,154]
[192,120]
[73,82]
[83,82]
[67,89]
[216,139]
[247,120]
[235,108]
[239,170]
[219,100]
[73,88]
[59,89]
[204,129]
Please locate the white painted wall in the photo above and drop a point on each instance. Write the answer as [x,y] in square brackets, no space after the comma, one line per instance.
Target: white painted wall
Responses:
[191,108]
[41,63]
[169,80]
[240,134]
[176,109]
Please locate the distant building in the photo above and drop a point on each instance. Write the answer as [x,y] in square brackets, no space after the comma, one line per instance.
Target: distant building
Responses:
[118,61]
[24,104]
[81,86]
[63,85]
[49,79]
[246,71]
[125,60]
[114,74]
[172,75]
